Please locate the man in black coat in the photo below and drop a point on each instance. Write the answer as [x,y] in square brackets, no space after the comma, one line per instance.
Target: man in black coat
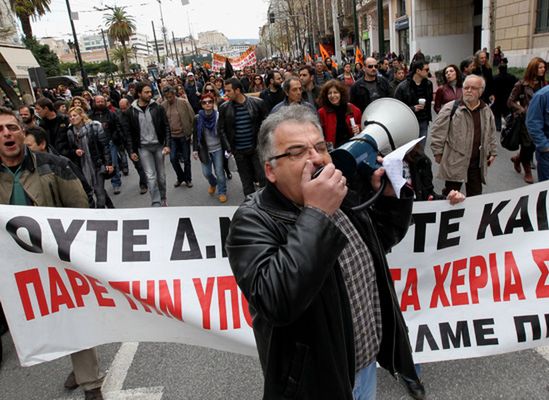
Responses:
[314,271]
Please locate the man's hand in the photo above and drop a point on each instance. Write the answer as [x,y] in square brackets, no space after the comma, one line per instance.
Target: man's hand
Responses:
[109,169]
[165,151]
[376,181]
[418,107]
[134,157]
[327,191]
[438,157]
[79,152]
[491,160]
[195,155]
[455,197]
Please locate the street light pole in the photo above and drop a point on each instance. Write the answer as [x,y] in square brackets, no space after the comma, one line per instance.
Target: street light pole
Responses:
[380,28]
[355,18]
[156,44]
[163,27]
[85,80]
[106,52]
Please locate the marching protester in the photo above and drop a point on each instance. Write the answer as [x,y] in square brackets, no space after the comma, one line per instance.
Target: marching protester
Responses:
[273,94]
[370,87]
[90,150]
[45,180]
[484,69]
[293,90]
[518,102]
[287,270]
[340,120]
[180,116]
[451,89]
[347,76]
[28,118]
[464,154]
[311,92]
[210,147]
[503,86]
[239,120]
[150,137]
[55,125]
[537,121]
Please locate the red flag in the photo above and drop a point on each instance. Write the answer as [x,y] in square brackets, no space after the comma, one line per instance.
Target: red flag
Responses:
[359,56]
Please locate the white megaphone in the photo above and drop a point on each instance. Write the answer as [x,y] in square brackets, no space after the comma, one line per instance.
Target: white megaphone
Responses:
[387,124]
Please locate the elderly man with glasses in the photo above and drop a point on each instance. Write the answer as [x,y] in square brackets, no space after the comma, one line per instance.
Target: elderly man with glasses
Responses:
[314,270]
[370,87]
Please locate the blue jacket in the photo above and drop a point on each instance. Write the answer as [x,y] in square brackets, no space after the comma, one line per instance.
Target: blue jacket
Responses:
[537,119]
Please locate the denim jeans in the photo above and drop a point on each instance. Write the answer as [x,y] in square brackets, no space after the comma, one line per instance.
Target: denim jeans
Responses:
[180,147]
[215,159]
[115,180]
[366,383]
[543,165]
[152,161]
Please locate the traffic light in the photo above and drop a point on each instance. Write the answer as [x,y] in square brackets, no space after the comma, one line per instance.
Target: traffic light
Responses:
[272,18]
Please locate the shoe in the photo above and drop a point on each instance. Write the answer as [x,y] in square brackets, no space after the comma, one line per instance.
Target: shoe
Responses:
[116,190]
[143,189]
[94,394]
[189,184]
[414,388]
[164,203]
[125,171]
[211,190]
[222,198]
[70,382]
[177,183]
[528,178]
[516,163]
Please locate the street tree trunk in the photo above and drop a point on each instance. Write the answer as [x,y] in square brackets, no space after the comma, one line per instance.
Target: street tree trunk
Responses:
[9,91]
[125,58]
[26,25]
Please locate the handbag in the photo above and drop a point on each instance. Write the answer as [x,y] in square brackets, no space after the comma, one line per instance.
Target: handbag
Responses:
[510,135]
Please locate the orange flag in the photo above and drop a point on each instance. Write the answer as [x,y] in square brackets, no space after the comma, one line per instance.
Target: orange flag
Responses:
[359,57]
[324,53]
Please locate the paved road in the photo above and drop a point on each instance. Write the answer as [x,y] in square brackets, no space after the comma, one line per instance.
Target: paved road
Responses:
[166,371]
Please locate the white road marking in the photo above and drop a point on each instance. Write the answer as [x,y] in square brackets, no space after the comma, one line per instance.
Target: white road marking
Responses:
[544,351]
[116,375]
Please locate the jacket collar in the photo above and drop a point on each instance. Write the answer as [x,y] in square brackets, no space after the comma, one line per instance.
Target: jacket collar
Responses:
[28,163]
[274,203]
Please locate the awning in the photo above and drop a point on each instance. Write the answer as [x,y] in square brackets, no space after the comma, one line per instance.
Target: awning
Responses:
[15,62]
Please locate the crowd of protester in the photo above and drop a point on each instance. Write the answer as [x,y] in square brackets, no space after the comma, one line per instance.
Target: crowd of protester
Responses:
[212,116]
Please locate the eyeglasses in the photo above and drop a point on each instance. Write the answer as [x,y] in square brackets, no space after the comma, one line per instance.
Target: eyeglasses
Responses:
[257,79]
[298,151]
[10,127]
[206,102]
[370,66]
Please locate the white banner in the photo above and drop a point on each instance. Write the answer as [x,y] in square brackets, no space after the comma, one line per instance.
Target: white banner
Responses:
[472,279]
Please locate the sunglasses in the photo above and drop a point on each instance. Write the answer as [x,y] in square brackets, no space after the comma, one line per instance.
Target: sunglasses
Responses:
[207,102]
[209,90]
[370,66]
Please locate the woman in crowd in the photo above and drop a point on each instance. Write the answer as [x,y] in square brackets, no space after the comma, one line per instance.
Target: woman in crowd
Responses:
[180,92]
[211,89]
[210,147]
[257,84]
[497,56]
[79,101]
[89,149]
[484,69]
[359,71]
[347,76]
[522,93]
[340,119]
[219,85]
[452,89]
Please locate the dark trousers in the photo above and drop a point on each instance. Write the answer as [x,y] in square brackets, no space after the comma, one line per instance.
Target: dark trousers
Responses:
[249,169]
[180,147]
[473,187]
[141,173]
[526,154]
[99,190]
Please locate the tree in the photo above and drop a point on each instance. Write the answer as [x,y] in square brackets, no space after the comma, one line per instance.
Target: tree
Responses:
[121,55]
[45,57]
[120,26]
[25,9]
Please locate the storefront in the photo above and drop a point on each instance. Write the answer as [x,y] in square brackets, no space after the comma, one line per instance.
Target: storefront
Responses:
[15,63]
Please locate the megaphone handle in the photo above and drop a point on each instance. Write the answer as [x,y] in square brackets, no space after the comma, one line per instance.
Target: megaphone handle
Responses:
[374,198]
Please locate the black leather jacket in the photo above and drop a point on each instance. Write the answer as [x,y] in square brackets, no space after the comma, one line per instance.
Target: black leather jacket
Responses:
[226,124]
[289,273]
[160,122]
[360,96]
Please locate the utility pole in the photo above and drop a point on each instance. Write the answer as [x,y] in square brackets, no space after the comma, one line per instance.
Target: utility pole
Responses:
[355,19]
[175,48]
[85,80]
[163,27]
[106,52]
[156,45]
[337,40]
[380,28]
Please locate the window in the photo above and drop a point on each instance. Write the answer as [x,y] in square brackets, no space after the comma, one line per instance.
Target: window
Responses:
[401,7]
[542,20]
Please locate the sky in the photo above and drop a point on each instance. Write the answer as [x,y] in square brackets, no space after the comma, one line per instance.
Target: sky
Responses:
[237,19]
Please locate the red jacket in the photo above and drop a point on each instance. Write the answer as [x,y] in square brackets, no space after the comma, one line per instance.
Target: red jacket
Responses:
[446,94]
[328,121]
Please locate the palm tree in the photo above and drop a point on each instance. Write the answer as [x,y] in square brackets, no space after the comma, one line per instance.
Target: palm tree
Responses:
[120,26]
[120,55]
[25,9]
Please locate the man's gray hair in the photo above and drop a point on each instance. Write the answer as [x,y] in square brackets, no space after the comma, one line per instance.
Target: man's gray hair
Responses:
[469,77]
[295,113]
[168,89]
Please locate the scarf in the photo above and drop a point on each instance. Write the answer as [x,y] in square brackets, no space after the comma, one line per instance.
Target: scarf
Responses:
[206,121]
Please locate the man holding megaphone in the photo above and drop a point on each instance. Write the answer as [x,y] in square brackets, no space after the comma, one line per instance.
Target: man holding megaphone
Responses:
[314,270]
